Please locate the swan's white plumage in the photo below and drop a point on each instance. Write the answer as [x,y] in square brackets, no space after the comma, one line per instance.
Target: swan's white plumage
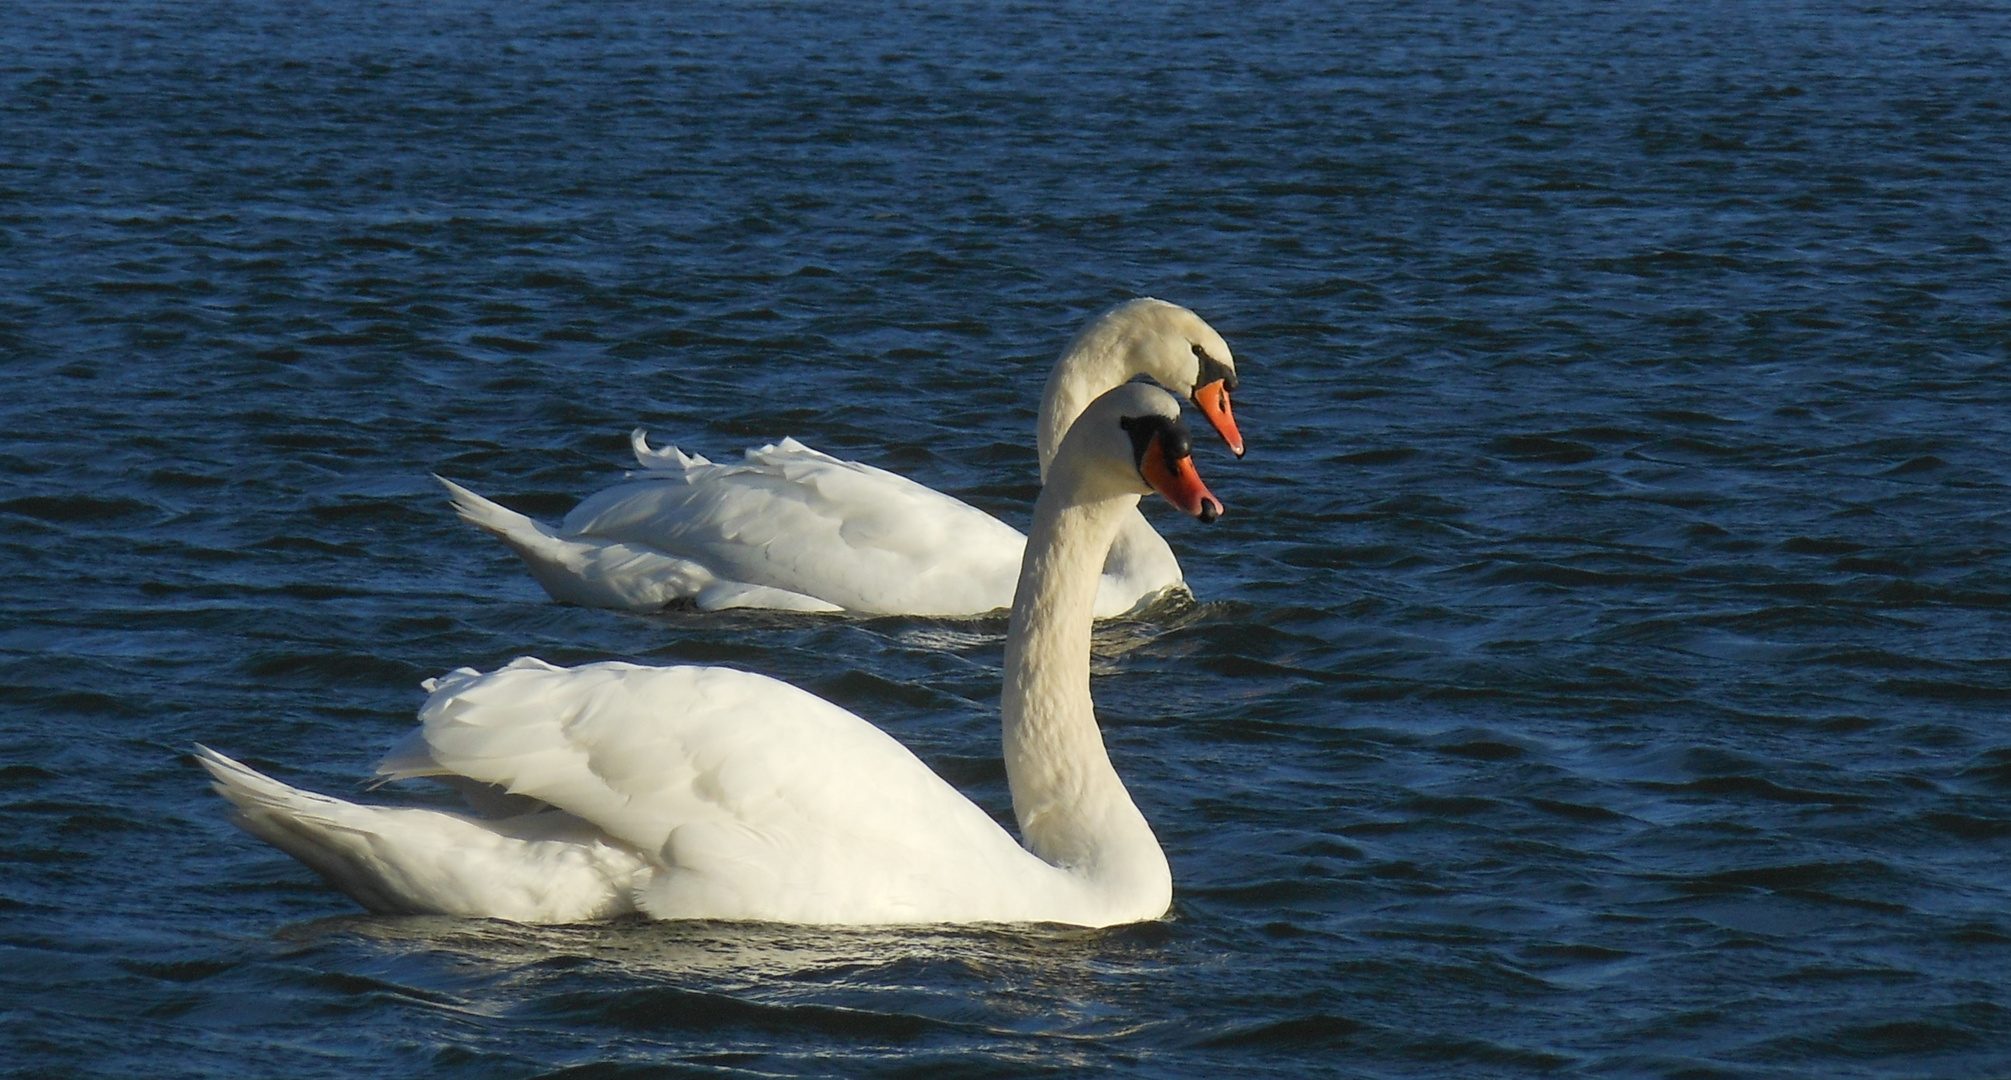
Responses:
[705,792]
[791,518]
[795,529]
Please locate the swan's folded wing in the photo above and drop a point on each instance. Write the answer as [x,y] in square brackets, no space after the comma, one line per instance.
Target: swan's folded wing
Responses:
[791,518]
[761,793]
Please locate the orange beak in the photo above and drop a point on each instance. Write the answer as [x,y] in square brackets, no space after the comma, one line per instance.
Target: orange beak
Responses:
[1176,479]
[1213,401]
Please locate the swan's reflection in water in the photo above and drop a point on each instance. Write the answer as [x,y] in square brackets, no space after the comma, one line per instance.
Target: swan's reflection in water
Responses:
[1171,610]
[979,640]
[682,988]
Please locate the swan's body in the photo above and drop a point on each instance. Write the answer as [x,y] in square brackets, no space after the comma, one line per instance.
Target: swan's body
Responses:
[684,792]
[691,792]
[798,530]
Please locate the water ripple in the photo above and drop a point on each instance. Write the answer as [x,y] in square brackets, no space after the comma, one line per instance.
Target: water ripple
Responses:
[1600,668]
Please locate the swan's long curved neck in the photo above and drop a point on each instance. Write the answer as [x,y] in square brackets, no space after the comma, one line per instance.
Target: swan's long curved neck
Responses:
[1095,361]
[1073,810]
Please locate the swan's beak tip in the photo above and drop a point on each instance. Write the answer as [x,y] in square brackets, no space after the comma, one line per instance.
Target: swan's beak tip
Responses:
[1177,481]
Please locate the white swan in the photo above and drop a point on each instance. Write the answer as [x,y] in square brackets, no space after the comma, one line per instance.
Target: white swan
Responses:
[794,529]
[702,792]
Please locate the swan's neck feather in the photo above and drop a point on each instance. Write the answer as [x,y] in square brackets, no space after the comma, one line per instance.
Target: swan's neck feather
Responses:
[1073,810]
[1096,360]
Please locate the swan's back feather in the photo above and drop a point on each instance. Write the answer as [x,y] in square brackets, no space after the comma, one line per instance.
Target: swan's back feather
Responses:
[804,522]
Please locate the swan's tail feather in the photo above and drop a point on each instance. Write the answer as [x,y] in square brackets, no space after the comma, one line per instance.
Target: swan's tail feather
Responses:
[514,528]
[584,569]
[407,860]
[331,837]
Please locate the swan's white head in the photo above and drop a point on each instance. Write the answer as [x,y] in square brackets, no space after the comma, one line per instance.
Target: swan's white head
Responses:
[1131,441]
[1177,349]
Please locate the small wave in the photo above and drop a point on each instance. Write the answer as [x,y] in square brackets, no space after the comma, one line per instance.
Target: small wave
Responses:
[78,508]
[1308,1032]
[671,1008]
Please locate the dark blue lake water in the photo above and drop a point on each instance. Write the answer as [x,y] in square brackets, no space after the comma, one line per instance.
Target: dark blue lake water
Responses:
[1602,669]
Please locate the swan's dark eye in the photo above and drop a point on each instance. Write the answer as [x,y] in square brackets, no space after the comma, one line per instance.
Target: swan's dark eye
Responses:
[1213,370]
[1174,441]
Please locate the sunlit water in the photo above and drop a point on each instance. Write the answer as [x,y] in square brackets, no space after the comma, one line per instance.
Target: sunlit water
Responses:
[1601,670]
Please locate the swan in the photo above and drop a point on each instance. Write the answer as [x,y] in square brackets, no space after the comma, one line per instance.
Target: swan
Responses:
[793,529]
[711,793]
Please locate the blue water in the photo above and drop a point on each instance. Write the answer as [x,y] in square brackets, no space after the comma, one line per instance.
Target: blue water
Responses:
[1601,671]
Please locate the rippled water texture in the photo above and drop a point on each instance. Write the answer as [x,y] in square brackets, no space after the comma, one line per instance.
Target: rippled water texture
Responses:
[1602,669]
